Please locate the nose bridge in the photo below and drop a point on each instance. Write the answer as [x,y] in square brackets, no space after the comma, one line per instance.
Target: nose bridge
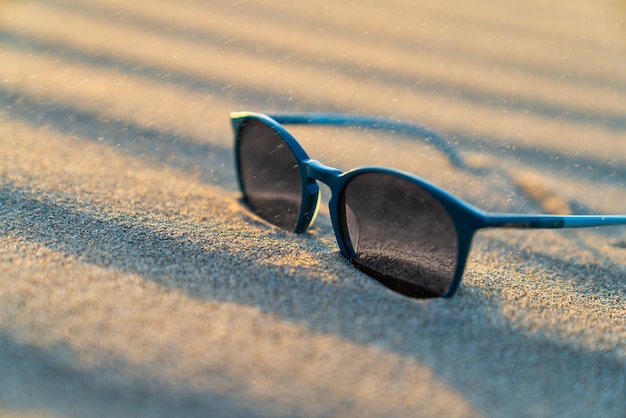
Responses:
[327,175]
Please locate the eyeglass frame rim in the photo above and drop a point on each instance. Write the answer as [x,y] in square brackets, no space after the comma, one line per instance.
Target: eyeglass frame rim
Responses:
[466,218]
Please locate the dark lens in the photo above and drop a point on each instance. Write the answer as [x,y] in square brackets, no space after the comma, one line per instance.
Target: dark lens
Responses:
[401,234]
[269,175]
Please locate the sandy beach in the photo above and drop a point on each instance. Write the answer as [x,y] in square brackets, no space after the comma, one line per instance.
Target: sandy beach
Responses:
[134,282]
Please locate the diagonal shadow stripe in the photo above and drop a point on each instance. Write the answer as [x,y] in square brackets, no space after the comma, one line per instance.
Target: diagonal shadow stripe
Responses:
[609,120]
[162,146]
[47,376]
[574,165]
[188,153]
[278,17]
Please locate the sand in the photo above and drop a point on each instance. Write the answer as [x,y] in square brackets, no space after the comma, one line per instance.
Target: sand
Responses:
[134,283]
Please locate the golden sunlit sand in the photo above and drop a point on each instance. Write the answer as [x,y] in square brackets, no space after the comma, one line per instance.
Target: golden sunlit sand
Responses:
[134,283]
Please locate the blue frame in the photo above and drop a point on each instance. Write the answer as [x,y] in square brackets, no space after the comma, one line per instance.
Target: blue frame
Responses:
[467,219]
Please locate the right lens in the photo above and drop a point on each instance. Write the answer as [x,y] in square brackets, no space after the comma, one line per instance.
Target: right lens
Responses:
[269,174]
[401,235]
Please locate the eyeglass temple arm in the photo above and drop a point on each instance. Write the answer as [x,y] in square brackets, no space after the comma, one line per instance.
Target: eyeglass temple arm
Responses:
[551,221]
[445,146]
[374,122]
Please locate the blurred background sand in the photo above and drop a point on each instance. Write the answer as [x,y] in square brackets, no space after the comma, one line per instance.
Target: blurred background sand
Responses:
[133,283]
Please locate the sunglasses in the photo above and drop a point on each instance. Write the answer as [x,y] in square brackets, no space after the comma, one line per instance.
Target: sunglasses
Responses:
[401,230]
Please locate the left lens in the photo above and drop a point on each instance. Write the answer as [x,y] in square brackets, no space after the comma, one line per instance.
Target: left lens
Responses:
[401,234]
[269,174]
